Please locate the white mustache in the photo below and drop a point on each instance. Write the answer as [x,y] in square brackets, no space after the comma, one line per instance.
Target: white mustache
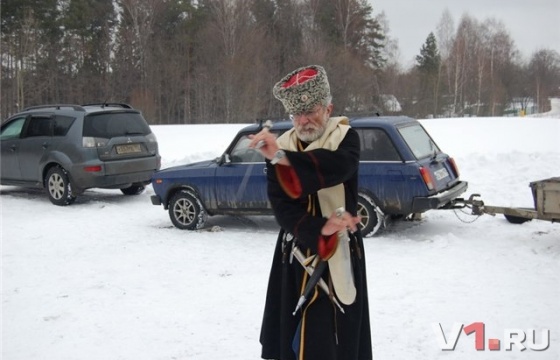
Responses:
[309,128]
[309,132]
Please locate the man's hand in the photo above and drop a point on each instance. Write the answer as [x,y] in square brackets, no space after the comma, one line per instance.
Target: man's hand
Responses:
[338,223]
[265,142]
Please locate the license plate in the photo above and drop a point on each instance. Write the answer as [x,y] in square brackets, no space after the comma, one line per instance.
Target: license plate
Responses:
[128,149]
[441,174]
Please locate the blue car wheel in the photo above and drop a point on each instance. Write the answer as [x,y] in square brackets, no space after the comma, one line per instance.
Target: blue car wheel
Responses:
[186,211]
[371,216]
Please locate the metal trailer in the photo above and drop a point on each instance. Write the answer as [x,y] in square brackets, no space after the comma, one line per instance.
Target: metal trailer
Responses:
[546,197]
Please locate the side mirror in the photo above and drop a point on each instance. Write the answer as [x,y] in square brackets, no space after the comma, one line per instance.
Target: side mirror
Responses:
[224,159]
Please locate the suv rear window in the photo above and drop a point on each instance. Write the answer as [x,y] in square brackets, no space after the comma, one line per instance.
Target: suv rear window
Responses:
[418,141]
[109,125]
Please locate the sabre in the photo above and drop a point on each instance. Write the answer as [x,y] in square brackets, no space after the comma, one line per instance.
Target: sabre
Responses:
[243,185]
[313,280]
[319,268]
[296,252]
[267,125]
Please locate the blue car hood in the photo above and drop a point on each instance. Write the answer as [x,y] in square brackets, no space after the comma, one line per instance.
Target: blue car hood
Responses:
[195,165]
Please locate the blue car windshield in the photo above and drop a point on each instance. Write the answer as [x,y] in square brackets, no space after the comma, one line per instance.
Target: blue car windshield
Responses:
[418,141]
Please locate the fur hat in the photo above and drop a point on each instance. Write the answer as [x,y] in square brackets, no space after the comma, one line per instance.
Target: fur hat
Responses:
[303,89]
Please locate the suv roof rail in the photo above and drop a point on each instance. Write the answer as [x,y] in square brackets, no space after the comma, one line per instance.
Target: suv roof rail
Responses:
[56,106]
[104,104]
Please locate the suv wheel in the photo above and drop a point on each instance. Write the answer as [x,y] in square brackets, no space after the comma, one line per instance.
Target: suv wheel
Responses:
[186,211]
[58,187]
[372,217]
[134,189]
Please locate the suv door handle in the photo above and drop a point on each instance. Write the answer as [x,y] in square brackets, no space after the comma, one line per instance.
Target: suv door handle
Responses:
[13,148]
[45,145]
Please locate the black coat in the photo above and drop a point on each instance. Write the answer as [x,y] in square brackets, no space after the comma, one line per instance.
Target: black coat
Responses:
[323,331]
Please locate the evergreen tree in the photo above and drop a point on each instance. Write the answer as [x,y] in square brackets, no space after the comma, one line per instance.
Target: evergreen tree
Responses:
[429,59]
[350,25]
[428,66]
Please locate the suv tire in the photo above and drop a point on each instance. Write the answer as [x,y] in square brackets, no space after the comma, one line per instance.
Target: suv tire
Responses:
[58,187]
[186,211]
[372,218]
[134,189]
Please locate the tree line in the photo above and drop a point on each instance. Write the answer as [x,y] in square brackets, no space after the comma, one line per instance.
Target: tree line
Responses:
[475,69]
[215,61]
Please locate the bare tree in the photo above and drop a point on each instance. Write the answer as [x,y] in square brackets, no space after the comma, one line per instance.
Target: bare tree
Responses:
[230,66]
[445,36]
[26,43]
[544,75]
[390,50]
[139,17]
[498,49]
[462,60]
[389,77]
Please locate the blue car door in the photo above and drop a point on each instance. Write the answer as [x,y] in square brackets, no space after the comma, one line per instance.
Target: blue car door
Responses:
[382,171]
[241,182]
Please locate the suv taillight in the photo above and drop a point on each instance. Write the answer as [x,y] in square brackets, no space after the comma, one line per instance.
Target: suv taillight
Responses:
[151,137]
[427,177]
[93,142]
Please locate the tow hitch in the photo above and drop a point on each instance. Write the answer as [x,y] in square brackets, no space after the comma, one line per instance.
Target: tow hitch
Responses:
[546,197]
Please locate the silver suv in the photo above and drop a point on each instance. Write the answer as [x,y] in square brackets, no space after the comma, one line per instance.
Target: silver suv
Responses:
[67,149]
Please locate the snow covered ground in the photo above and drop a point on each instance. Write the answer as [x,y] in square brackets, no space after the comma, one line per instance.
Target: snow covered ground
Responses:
[110,277]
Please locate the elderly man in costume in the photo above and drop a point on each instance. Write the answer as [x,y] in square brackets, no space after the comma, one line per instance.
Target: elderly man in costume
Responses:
[317,304]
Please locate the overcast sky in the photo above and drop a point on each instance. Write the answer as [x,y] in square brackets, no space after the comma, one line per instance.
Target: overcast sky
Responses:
[532,24]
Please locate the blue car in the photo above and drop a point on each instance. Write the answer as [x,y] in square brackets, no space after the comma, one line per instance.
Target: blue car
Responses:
[402,173]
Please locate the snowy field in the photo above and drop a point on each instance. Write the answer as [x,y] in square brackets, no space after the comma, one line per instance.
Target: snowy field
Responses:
[110,278]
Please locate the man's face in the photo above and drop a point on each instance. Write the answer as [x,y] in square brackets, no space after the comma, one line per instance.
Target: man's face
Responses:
[311,125]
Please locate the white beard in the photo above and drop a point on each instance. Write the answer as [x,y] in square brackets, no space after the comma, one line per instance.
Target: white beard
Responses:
[310,133]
